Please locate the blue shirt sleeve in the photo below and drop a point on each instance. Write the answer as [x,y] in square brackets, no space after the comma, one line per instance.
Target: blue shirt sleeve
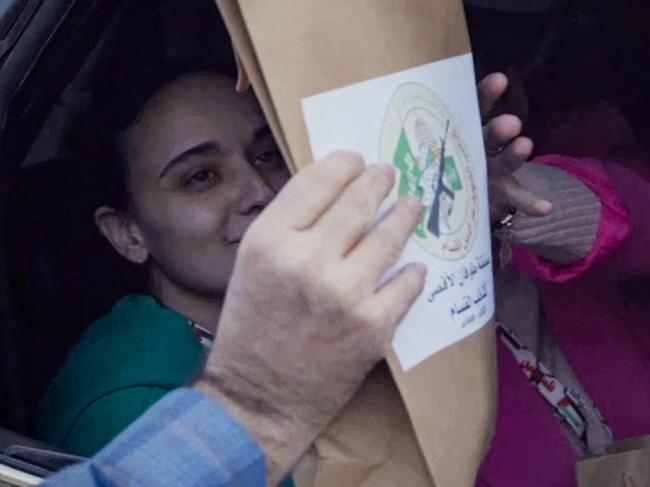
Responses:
[184,439]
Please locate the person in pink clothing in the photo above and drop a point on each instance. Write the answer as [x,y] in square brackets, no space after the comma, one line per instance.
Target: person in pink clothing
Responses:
[572,298]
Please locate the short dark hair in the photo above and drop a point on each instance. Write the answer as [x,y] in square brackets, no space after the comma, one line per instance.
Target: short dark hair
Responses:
[117,104]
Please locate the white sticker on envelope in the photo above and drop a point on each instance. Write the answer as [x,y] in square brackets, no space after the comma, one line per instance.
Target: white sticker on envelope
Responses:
[426,122]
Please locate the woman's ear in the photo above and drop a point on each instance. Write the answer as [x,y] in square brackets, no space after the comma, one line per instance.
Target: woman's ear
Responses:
[123,233]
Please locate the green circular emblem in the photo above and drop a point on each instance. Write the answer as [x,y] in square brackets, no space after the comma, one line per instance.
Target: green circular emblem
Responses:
[419,137]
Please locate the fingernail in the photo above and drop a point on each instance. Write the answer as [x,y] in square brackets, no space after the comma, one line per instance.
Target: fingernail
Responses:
[544,206]
[422,269]
[414,203]
[387,169]
[348,154]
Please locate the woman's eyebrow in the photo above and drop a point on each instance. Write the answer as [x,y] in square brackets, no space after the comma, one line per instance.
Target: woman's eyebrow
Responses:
[197,150]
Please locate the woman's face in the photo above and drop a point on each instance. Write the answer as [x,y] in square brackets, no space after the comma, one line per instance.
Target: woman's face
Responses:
[202,165]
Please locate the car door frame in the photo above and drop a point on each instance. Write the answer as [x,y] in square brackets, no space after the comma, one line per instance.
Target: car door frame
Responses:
[54,38]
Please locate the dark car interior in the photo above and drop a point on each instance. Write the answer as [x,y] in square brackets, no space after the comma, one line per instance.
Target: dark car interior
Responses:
[57,274]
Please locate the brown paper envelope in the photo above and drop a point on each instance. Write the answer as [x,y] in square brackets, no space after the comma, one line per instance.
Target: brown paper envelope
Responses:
[451,401]
[625,469]
[370,443]
[291,49]
[305,47]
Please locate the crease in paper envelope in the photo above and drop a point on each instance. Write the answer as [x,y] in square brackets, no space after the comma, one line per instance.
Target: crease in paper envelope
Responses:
[425,121]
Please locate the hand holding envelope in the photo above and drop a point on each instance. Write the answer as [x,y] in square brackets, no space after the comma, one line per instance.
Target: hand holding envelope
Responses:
[328,76]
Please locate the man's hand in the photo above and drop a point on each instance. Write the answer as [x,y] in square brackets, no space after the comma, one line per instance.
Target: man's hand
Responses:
[506,151]
[305,318]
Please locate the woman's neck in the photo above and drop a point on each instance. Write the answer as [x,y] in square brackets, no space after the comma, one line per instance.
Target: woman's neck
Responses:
[203,310]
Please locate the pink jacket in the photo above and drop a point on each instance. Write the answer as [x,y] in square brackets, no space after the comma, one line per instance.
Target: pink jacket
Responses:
[599,312]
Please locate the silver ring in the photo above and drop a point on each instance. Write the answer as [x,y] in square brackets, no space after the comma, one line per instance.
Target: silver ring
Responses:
[502,227]
[494,152]
[506,221]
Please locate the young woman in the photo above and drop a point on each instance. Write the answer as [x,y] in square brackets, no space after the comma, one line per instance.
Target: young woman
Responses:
[187,164]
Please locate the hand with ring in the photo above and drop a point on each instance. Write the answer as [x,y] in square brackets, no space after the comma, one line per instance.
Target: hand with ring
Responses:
[506,151]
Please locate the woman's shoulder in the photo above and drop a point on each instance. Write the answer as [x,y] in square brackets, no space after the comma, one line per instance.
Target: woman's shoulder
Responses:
[138,314]
[138,343]
[138,340]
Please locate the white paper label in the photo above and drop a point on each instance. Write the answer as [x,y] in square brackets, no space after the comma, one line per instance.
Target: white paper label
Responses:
[425,121]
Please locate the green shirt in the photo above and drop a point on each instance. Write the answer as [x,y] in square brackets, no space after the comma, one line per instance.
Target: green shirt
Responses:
[124,363]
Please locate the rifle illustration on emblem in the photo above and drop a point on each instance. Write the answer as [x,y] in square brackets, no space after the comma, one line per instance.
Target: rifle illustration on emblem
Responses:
[431,175]
[443,199]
